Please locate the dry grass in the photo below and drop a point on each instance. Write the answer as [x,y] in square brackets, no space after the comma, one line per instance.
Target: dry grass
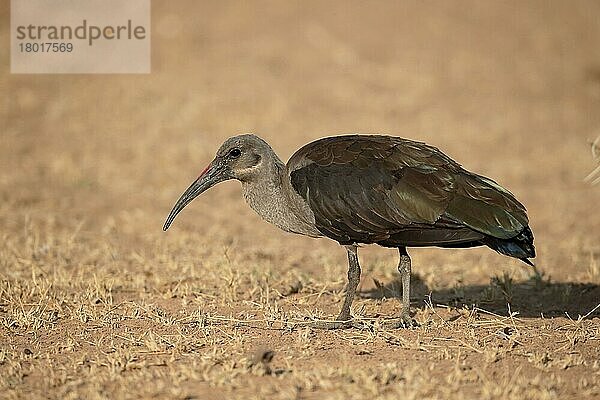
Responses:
[594,176]
[97,302]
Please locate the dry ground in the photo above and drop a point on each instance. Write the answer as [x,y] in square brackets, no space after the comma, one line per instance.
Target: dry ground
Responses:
[97,302]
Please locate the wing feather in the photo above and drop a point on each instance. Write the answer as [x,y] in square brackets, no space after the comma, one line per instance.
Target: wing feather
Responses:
[390,190]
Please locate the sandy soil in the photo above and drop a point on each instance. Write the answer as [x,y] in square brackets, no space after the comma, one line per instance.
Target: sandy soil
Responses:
[97,302]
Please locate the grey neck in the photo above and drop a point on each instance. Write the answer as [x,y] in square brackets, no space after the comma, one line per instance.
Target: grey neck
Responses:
[271,195]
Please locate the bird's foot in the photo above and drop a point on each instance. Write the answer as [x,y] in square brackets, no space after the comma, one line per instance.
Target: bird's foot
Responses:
[343,321]
[400,323]
[404,322]
[408,322]
[346,321]
[331,325]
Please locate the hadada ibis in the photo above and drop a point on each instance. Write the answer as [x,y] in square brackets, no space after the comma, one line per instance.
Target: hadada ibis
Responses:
[364,189]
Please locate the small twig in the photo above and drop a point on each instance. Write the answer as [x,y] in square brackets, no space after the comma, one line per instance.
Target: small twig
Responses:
[596,148]
[594,176]
[590,312]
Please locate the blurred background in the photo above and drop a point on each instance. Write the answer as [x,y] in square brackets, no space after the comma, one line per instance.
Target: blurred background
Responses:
[511,89]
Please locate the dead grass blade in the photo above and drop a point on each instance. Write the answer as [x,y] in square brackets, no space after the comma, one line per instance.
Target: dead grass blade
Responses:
[594,176]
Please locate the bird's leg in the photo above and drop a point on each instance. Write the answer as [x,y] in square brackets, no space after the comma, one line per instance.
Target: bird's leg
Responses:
[353,280]
[344,319]
[404,269]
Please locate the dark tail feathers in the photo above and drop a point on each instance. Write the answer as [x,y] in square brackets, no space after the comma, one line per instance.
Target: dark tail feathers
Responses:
[520,246]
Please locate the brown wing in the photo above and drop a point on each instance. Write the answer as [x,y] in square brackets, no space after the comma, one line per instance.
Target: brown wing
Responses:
[393,191]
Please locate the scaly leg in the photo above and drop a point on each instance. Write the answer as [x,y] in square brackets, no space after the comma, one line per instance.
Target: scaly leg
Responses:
[353,280]
[404,269]
[344,320]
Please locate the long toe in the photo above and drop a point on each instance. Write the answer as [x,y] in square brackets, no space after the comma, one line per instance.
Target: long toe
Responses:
[404,322]
[399,324]
[408,322]
[331,325]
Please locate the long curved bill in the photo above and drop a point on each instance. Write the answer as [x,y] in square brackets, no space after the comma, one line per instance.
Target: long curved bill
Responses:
[213,174]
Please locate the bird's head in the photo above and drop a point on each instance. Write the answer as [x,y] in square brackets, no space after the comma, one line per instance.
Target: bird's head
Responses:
[240,157]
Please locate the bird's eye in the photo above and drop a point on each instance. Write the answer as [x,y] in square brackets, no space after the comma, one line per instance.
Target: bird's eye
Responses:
[235,153]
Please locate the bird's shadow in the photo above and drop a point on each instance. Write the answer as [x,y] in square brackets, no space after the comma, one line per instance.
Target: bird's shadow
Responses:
[531,298]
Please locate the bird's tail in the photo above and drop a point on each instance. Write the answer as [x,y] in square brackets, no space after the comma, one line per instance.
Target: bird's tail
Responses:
[521,246]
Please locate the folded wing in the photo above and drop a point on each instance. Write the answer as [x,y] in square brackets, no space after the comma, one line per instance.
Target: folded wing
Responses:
[393,191]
